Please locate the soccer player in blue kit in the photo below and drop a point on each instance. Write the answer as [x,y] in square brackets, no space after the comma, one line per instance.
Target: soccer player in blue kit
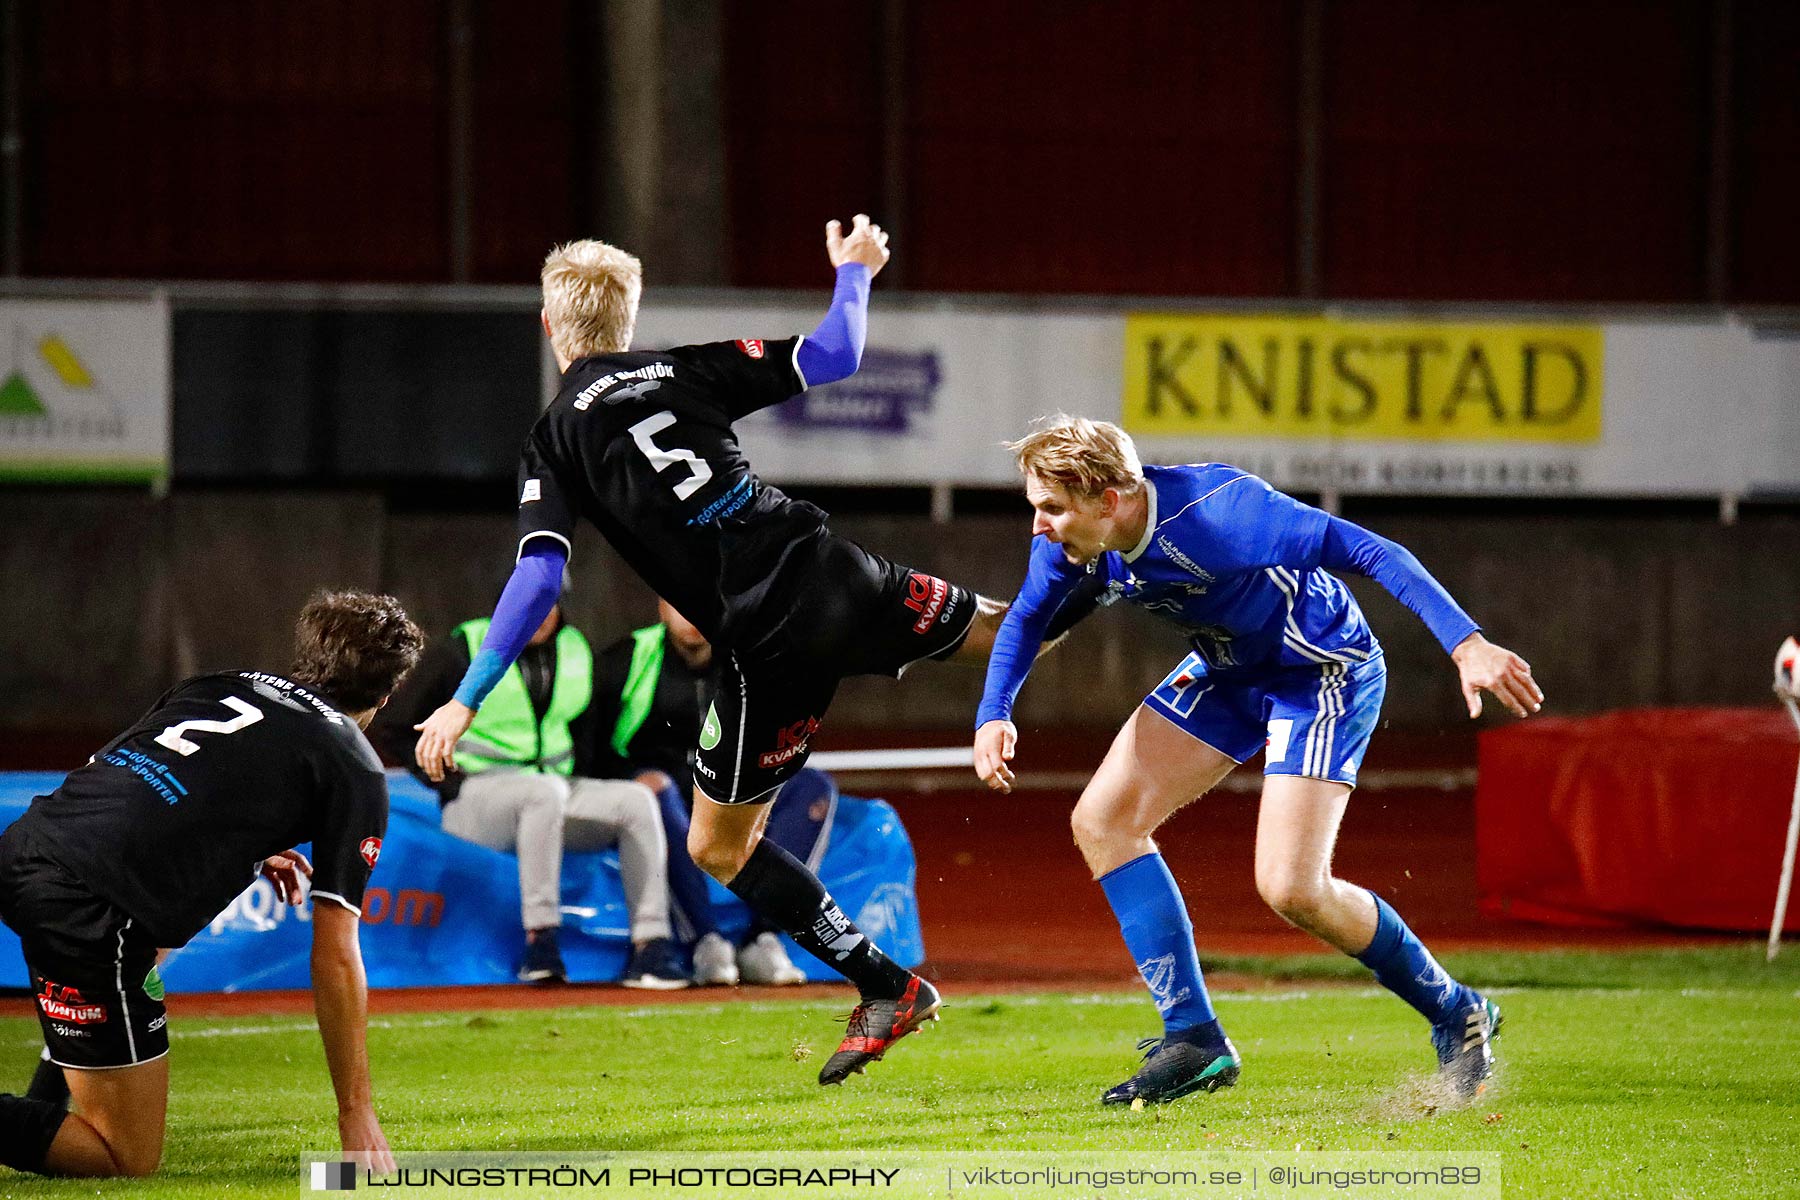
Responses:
[1282,661]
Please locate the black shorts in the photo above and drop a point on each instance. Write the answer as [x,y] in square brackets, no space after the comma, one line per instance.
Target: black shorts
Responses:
[99,998]
[858,614]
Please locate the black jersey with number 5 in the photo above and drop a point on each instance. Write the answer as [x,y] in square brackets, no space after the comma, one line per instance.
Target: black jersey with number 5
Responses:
[172,819]
[641,444]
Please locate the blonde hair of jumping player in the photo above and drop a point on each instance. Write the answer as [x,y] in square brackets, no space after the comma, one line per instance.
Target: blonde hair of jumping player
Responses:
[591,294]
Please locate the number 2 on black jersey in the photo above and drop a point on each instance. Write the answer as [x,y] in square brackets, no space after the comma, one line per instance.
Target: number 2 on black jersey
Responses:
[247,715]
[661,459]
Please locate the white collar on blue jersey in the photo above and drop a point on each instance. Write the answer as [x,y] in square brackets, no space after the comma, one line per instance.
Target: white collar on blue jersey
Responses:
[1131,555]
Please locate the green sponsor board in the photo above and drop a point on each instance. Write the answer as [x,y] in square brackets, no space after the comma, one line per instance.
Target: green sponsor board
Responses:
[84,391]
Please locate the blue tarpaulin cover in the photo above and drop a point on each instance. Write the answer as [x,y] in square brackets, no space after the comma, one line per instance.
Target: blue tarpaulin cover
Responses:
[441,911]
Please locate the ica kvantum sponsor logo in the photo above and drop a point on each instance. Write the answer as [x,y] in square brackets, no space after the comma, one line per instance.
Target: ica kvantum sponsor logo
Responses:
[67,1004]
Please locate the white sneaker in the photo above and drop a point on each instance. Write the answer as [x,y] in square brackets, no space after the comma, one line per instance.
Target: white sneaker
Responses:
[765,960]
[714,963]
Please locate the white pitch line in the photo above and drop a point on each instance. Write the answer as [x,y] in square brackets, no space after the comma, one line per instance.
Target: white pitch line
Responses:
[305,1026]
[893,760]
[1026,999]
[879,776]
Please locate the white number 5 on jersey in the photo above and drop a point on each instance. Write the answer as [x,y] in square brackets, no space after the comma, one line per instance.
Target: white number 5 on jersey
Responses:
[662,460]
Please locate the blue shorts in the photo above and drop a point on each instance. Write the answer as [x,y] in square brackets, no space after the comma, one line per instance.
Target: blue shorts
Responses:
[1313,720]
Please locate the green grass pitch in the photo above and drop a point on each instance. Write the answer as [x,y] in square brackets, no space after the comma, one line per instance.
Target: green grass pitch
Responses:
[1653,1073]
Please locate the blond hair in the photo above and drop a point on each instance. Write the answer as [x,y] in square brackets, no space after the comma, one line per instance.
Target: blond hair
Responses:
[591,293]
[1085,457]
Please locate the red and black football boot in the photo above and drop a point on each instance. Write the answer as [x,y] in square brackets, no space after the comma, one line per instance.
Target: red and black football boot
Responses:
[877,1024]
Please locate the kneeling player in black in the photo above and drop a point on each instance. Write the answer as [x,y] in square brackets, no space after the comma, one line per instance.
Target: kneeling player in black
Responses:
[640,443]
[149,841]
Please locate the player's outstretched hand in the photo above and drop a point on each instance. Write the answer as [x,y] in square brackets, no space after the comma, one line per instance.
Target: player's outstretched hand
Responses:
[866,244]
[284,871]
[1487,667]
[438,735]
[994,743]
[363,1141]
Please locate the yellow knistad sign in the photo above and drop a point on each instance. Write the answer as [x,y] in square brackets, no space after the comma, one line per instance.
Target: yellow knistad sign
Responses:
[1308,377]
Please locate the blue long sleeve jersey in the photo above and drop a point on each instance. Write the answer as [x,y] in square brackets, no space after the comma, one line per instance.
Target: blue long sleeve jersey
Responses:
[1242,570]
[831,352]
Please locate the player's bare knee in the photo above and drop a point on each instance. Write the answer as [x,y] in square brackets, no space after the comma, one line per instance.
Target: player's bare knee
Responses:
[1297,897]
[137,1162]
[1103,817]
[699,846]
[127,1159]
[716,856]
[1091,830]
[656,781]
[1107,846]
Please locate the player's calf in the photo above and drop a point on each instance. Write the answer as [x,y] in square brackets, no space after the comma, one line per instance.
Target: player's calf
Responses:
[48,1083]
[123,1113]
[1324,907]
[778,886]
[27,1128]
[1404,966]
[43,1138]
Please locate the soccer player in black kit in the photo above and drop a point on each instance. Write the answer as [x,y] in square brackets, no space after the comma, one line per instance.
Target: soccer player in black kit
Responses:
[640,443]
[148,842]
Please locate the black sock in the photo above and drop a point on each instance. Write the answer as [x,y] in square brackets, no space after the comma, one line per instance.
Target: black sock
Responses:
[778,887]
[27,1127]
[48,1084]
[1208,1035]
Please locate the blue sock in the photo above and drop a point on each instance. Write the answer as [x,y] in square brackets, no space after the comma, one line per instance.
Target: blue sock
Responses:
[1405,967]
[1160,937]
[687,882]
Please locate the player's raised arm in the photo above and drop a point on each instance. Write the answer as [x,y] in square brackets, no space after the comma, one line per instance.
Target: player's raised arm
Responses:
[530,594]
[1265,527]
[866,243]
[833,351]
[1480,664]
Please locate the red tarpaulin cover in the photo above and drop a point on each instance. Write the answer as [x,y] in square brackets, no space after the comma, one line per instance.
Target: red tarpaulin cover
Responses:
[1664,816]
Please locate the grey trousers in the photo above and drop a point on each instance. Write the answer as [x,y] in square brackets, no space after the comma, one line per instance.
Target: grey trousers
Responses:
[540,816]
